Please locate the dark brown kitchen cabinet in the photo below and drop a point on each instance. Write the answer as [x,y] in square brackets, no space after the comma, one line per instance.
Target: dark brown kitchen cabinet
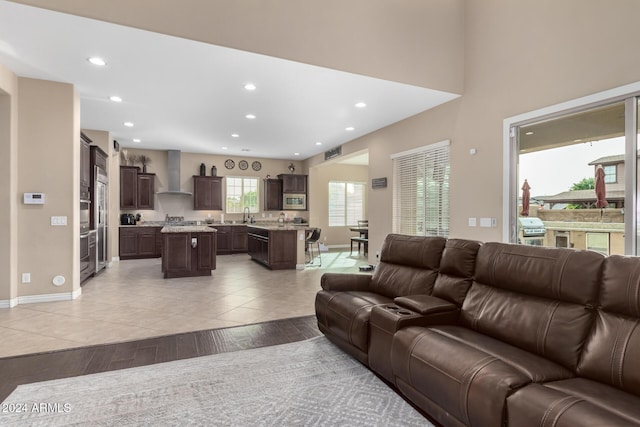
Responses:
[239,239]
[85,166]
[276,249]
[224,239]
[137,189]
[272,194]
[147,242]
[294,183]
[188,254]
[129,187]
[207,193]
[232,239]
[98,158]
[146,190]
[140,242]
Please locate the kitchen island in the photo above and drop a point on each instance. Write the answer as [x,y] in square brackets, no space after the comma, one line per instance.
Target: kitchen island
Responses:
[277,247]
[188,250]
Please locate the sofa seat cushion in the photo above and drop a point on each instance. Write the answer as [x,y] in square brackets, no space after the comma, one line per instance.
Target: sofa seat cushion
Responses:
[346,314]
[573,402]
[464,373]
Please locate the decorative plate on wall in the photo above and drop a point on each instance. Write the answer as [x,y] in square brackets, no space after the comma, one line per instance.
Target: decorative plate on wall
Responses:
[256,166]
[229,164]
[242,164]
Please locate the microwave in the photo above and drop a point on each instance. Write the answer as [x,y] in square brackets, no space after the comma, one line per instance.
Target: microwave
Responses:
[294,201]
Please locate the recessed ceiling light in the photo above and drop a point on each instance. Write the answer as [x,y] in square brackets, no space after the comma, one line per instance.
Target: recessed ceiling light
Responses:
[318,143]
[529,133]
[95,60]
[128,124]
[250,116]
[250,86]
[350,128]
[296,154]
[115,98]
[361,105]
[137,140]
[224,148]
[235,135]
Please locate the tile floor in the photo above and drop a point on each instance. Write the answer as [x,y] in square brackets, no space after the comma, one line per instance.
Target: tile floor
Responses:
[131,301]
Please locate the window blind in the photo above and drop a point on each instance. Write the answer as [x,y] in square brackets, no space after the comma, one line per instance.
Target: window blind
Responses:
[421,191]
[346,203]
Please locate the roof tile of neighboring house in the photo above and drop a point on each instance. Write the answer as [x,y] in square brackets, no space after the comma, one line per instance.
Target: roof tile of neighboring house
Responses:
[580,196]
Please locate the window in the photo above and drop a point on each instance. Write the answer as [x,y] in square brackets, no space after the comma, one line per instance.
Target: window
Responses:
[421,191]
[598,242]
[346,203]
[242,192]
[610,174]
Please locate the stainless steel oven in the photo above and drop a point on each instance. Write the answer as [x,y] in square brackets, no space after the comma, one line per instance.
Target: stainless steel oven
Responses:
[294,202]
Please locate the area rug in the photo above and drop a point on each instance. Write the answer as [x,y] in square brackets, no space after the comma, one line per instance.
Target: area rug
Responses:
[307,383]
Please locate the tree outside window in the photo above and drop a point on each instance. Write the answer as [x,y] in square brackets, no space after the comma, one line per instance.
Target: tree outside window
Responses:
[242,192]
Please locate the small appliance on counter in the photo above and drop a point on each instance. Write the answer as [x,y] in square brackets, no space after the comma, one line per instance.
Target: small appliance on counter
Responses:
[127,219]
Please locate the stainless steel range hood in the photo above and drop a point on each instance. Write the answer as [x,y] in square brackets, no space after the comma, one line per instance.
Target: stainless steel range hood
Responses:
[173,166]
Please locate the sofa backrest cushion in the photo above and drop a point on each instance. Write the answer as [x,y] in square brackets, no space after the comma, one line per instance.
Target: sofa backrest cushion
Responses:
[612,351]
[408,265]
[538,299]
[457,267]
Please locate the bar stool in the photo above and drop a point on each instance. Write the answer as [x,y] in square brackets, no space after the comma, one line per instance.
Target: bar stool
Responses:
[313,239]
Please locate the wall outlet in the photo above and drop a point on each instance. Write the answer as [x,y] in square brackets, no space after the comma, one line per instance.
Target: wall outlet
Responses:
[26,277]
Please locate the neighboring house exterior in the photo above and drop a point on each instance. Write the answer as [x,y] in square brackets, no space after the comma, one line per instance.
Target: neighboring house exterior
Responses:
[588,227]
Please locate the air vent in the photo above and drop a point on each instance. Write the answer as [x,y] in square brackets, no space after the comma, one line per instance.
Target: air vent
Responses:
[334,152]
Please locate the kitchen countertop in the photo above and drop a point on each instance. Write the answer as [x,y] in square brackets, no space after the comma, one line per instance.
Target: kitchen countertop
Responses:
[180,224]
[285,227]
[260,224]
[188,229]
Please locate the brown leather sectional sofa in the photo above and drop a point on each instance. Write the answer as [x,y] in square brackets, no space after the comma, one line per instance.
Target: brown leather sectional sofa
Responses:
[495,334]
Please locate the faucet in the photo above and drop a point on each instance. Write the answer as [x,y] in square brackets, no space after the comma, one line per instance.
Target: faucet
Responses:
[245,215]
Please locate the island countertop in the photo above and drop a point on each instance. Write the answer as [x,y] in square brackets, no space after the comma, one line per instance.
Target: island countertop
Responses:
[187,229]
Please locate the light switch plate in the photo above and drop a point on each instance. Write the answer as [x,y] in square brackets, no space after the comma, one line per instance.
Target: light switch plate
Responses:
[59,220]
[473,222]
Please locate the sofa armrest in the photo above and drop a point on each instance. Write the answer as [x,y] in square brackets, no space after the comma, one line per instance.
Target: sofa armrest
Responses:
[345,282]
[425,304]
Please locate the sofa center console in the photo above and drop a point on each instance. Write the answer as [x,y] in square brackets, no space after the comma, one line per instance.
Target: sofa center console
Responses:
[387,319]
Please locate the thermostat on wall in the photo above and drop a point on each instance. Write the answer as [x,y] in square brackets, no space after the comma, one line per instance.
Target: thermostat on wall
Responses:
[34,198]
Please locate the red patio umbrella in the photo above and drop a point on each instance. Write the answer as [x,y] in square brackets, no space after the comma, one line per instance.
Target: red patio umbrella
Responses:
[526,195]
[601,191]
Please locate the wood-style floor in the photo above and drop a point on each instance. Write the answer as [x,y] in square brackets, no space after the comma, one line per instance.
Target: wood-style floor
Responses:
[109,357]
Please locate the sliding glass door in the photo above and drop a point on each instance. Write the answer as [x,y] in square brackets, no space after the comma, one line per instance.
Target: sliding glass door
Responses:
[575,182]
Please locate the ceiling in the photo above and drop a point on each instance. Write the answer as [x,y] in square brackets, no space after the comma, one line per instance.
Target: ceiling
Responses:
[187,95]
[594,124]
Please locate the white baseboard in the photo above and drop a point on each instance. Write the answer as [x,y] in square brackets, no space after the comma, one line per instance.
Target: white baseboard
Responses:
[8,303]
[33,299]
[299,266]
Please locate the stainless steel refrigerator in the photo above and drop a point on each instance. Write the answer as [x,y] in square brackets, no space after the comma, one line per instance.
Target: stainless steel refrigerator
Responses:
[100,208]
